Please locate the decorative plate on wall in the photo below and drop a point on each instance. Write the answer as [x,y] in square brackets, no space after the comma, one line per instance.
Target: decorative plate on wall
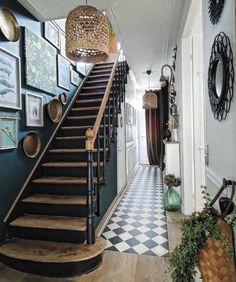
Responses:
[215,9]
[221,76]
[31,145]
[9,25]
[54,110]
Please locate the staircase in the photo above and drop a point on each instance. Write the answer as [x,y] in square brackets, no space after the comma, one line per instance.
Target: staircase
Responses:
[51,229]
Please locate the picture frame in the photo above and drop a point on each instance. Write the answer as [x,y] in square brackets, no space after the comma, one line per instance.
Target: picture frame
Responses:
[9,130]
[34,110]
[52,34]
[63,47]
[63,75]
[81,68]
[75,78]
[10,84]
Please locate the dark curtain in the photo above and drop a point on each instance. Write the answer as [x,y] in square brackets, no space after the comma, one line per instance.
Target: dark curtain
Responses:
[156,125]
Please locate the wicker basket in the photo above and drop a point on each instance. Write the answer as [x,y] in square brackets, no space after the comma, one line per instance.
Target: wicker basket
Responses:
[150,100]
[215,264]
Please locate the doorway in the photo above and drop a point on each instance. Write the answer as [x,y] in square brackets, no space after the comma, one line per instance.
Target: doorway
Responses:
[193,118]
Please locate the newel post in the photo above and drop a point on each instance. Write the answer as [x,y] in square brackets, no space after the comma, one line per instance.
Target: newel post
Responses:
[90,184]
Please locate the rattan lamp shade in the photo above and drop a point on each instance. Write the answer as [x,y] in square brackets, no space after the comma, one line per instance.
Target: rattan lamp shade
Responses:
[87,35]
[150,100]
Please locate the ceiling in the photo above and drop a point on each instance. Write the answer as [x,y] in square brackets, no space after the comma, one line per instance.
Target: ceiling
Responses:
[147,29]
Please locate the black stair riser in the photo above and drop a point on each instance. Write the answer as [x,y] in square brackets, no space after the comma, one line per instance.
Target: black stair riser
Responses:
[72,144]
[80,189]
[73,172]
[102,76]
[56,210]
[87,112]
[90,83]
[47,234]
[91,89]
[75,132]
[53,269]
[72,157]
[81,122]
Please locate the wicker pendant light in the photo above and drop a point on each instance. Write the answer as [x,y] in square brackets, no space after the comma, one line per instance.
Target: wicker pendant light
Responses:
[150,97]
[87,35]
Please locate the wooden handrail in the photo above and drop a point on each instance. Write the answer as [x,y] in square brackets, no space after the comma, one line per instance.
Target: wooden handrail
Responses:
[91,134]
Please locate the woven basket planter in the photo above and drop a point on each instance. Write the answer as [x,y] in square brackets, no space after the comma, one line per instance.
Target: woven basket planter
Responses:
[150,100]
[215,264]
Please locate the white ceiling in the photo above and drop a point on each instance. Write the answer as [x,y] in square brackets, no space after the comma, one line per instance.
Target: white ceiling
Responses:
[147,29]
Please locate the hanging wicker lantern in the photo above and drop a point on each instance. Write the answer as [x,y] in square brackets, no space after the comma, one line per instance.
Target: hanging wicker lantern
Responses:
[150,100]
[87,35]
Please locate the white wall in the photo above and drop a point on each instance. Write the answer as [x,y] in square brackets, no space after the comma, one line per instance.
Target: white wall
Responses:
[131,147]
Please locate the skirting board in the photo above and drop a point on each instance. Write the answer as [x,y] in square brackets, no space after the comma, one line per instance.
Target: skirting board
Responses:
[103,223]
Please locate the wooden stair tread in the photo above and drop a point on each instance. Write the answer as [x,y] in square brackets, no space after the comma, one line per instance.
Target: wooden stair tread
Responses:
[105,63]
[101,71]
[97,81]
[88,101]
[95,87]
[87,108]
[65,150]
[51,252]
[99,75]
[62,180]
[55,199]
[67,164]
[83,137]
[81,126]
[50,222]
[82,117]
[97,67]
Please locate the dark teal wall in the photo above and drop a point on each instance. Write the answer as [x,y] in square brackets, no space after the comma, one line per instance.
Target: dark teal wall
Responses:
[108,191]
[14,165]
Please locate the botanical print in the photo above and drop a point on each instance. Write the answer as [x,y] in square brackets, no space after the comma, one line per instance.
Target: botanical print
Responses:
[8,131]
[34,110]
[40,63]
[10,96]
[52,34]
[63,72]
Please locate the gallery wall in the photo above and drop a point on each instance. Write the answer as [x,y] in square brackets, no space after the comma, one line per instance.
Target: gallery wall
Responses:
[15,166]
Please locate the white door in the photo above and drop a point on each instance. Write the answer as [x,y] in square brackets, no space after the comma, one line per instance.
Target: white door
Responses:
[121,153]
[193,119]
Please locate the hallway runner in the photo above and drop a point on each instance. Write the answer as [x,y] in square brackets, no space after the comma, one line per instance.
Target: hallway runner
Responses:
[138,224]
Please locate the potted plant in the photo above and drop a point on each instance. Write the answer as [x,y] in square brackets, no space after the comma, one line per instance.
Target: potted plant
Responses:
[172,200]
[207,244]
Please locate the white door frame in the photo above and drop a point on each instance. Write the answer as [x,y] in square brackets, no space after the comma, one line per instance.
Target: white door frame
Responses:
[193,118]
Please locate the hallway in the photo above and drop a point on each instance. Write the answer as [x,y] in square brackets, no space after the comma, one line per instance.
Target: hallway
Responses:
[138,225]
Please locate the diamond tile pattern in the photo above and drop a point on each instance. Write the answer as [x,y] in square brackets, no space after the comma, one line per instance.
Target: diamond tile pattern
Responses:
[138,225]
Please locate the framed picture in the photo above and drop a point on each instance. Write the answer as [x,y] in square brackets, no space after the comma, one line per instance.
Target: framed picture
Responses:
[34,110]
[40,63]
[63,76]
[81,68]
[8,130]
[75,78]
[10,81]
[63,47]
[52,34]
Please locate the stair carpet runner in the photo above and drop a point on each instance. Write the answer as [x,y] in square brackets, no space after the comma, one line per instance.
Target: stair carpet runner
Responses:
[47,235]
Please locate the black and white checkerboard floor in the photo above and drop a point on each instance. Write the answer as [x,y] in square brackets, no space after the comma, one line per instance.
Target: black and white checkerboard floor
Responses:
[138,224]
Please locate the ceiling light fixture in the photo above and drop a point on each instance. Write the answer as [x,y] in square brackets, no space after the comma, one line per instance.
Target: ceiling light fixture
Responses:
[150,96]
[87,35]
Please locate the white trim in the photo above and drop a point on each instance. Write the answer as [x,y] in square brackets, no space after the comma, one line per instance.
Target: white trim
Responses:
[214,177]
[35,8]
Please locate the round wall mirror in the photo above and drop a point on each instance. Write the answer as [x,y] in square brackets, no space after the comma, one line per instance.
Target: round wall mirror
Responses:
[221,76]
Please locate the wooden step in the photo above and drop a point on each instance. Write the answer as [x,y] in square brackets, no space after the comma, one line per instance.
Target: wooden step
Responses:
[88,101]
[97,67]
[105,63]
[94,87]
[101,71]
[80,127]
[67,164]
[73,137]
[87,108]
[83,117]
[49,252]
[55,199]
[71,151]
[50,222]
[62,180]
[84,94]
[97,81]
[99,75]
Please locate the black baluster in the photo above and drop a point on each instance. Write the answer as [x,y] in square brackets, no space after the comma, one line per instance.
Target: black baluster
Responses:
[98,186]
[104,150]
[90,201]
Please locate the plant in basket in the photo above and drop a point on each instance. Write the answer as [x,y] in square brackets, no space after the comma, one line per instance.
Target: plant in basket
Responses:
[172,200]
[206,243]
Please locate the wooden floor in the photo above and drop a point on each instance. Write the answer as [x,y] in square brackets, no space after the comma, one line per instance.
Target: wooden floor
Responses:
[116,267]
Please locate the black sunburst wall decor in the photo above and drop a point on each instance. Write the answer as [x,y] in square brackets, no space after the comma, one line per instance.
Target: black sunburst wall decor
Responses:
[215,9]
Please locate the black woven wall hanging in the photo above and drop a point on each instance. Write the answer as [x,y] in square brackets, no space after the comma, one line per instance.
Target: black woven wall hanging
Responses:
[221,76]
[215,9]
